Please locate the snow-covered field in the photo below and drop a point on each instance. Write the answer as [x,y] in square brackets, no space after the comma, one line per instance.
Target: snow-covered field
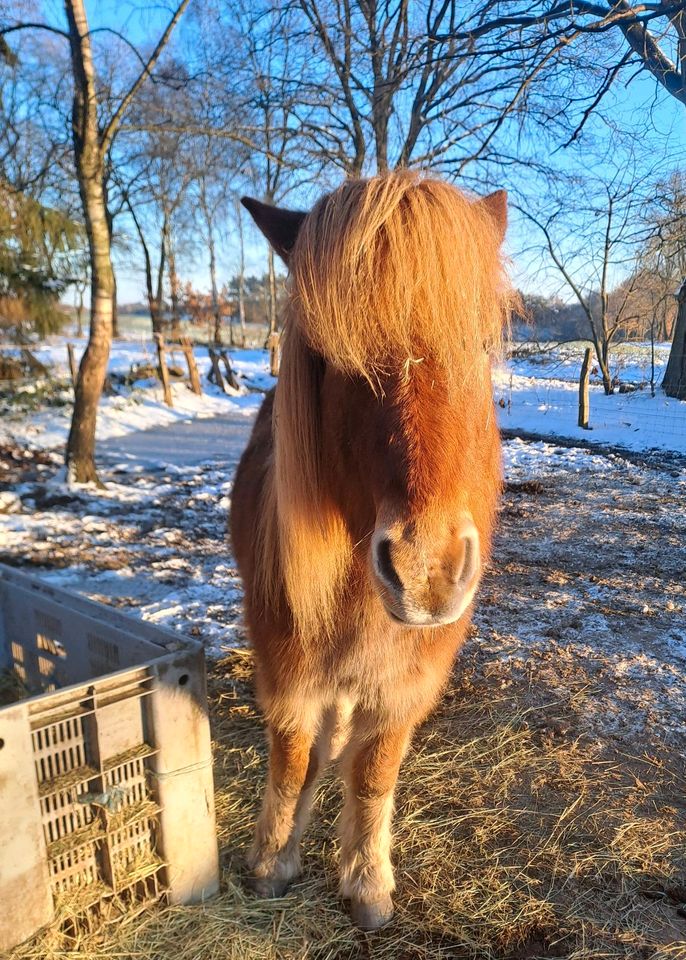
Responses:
[135,407]
[536,393]
[539,394]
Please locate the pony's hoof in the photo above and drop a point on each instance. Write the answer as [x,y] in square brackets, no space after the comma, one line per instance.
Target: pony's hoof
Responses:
[371,916]
[267,888]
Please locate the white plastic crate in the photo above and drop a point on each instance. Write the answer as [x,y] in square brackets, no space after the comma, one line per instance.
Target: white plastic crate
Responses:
[106,794]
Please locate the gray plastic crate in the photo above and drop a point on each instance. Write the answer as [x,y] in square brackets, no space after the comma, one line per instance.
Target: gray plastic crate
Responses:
[106,794]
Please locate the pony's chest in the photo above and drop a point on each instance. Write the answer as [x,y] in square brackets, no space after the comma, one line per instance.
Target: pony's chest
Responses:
[376,659]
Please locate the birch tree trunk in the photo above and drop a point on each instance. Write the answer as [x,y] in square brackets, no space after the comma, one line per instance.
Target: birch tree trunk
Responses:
[241,274]
[91,144]
[80,455]
[241,301]
[208,215]
[157,300]
[602,354]
[272,293]
[173,289]
[213,286]
[79,312]
[154,298]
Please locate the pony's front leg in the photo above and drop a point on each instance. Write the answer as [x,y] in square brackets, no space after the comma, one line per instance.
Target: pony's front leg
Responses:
[273,861]
[370,772]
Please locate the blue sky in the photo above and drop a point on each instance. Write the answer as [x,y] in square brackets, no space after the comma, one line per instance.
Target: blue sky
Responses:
[657,121]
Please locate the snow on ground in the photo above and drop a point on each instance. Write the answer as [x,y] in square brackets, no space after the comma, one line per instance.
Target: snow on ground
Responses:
[629,362]
[136,407]
[586,586]
[538,393]
[586,589]
[151,542]
[535,391]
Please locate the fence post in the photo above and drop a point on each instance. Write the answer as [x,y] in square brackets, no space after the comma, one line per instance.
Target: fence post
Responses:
[187,348]
[584,409]
[73,369]
[164,373]
[216,372]
[273,342]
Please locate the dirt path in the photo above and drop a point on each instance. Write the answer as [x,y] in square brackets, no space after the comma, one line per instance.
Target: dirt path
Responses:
[183,443]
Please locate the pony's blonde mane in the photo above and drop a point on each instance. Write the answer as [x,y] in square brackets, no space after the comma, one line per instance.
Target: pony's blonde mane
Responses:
[313,547]
[385,271]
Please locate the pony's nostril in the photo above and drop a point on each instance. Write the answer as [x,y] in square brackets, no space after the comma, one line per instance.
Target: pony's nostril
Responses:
[384,565]
[470,560]
[468,550]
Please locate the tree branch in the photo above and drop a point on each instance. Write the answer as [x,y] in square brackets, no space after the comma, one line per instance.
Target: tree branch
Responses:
[33,26]
[115,121]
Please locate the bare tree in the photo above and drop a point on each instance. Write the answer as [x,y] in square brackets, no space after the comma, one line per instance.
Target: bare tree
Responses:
[665,252]
[327,85]
[80,287]
[591,232]
[159,176]
[264,91]
[649,38]
[545,28]
[273,102]
[240,277]
[399,90]
[34,147]
[674,380]
[654,282]
[92,139]
[216,161]
[157,169]
[154,285]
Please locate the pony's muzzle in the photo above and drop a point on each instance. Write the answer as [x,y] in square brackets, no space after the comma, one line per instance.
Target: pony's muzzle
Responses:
[426,581]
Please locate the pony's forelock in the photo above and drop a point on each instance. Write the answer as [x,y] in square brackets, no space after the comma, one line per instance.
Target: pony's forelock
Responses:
[392,269]
[313,544]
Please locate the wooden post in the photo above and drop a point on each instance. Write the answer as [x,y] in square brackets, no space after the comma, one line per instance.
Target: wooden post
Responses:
[73,368]
[187,348]
[164,373]
[273,341]
[216,372]
[584,409]
[230,375]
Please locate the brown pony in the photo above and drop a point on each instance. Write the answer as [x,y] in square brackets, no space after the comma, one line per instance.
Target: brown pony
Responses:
[364,503]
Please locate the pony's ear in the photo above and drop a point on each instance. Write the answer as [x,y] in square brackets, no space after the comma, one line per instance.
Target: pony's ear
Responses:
[279,226]
[495,204]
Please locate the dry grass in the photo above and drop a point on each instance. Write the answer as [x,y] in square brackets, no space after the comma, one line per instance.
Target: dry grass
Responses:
[515,839]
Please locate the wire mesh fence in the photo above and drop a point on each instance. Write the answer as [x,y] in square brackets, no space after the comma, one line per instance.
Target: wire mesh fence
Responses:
[537,390]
